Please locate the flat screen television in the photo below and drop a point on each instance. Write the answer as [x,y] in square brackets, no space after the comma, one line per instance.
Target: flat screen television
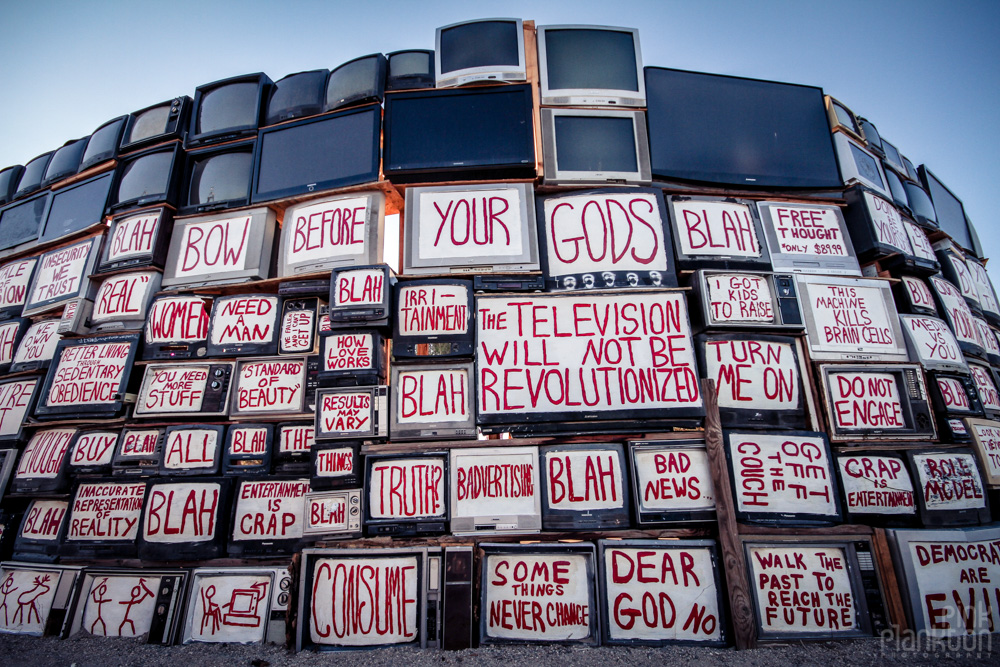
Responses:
[955,269]
[875,225]
[459,134]
[223,248]
[21,221]
[495,489]
[76,208]
[585,487]
[808,238]
[11,333]
[123,300]
[984,287]
[850,319]
[31,178]
[842,119]
[357,81]
[92,452]
[487,228]
[950,487]
[244,324]
[407,494]
[743,299]
[409,69]
[299,331]
[228,109]
[594,147]
[332,514]
[43,527]
[324,234]
[876,402]
[920,205]
[37,346]
[858,165]
[186,519]
[17,397]
[218,178]
[876,488]
[192,389]
[433,319]
[138,452]
[986,386]
[148,178]
[610,237]
[306,157]
[411,603]
[296,96]
[734,131]
[42,467]
[484,50]
[268,517]
[295,441]
[361,296]
[177,327]
[353,358]
[65,161]
[248,450]
[104,517]
[931,343]
[985,436]
[671,482]
[433,401]
[137,240]
[914,296]
[352,413]
[951,217]
[192,450]
[104,142]
[955,311]
[590,65]
[761,379]
[717,232]
[89,378]
[270,386]
[9,176]
[571,570]
[336,465]
[159,123]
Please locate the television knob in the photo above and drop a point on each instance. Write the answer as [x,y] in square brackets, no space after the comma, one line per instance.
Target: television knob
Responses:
[216,384]
[218,372]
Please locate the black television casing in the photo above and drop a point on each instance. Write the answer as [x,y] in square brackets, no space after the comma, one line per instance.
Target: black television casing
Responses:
[949,417]
[282,106]
[66,160]
[153,235]
[197,305]
[369,313]
[428,347]
[93,460]
[343,455]
[362,95]
[189,201]
[252,463]
[41,550]
[969,516]
[31,178]
[57,483]
[171,183]
[605,518]
[403,527]
[244,348]
[881,461]
[212,467]
[9,176]
[98,548]
[722,260]
[104,142]
[267,547]
[215,547]
[302,439]
[174,126]
[197,138]
[143,464]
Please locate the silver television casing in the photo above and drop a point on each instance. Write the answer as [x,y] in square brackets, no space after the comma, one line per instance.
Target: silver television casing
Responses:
[498,523]
[589,96]
[806,263]
[485,73]
[374,234]
[550,159]
[850,173]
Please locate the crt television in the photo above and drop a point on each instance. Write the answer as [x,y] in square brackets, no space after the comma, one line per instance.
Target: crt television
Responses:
[872,138]
[486,50]
[955,311]
[228,109]
[296,96]
[17,397]
[433,401]
[333,513]
[352,413]
[336,465]
[361,296]
[409,69]
[984,286]
[931,343]
[63,275]
[31,178]
[459,134]
[42,467]
[495,489]
[309,156]
[353,358]
[244,324]
[248,450]
[185,519]
[9,176]
[717,232]
[270,386]
[137,240]
[594,147]
[292,447]
[104,517]
[104,142]
[875,224]
[192,450]
[858,165]
[842,119]
[178,390]
[159,123]
[76,208]
[15,278]
[138,452]
[739,132]
[433,319]
[920,205]
[803,237]
[177,327]
[407,494]
[955,269]
[43,527]
[584,65]
[585,487]
[671,481]
[357,81]
[217,178]
[123,300]
[742,299]
[268,517]
[148,178]
[64,162]
[92,452]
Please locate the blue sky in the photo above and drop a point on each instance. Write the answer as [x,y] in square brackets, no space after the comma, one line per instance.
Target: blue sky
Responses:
[926,73]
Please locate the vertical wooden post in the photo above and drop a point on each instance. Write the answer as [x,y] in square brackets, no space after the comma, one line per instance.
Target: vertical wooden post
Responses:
[890,584]
[733,561]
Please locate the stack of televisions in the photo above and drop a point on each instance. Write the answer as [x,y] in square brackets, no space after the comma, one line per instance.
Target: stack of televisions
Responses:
[208,358]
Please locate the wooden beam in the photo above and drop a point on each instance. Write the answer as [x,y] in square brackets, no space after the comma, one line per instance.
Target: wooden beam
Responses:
[890,584]
[733,561]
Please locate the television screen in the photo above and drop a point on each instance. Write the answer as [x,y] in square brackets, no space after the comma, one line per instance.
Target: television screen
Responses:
[335,513]
[716,232]
[245,324]
[352,413]
[782,478]
[103,144]
[248,450]
[192,450]
[842,118]
[137,240]
[949,209]
[15,277]
[268,517]
[876,489]
[671,482]
[64,162]
[51,606]
[893,157]
[63,275]
[294,444]
[123,300]
[21,221]
[452,229]
[410,69]
[177,327]
[228,109]
[9,176]
[221,248]
[361,296]
[76,208]
[184,389]
[914,296]
[761,379]
[299,326]
[584,487]
[920,205]
[875,225]
[923,261]
[984,288]
[296,96]
[156,124]
[43,527]
[459,134]
[876,402]
[270,386]
[11,333]
[594,147]
[986,443]
[735,131]
[185,519]
[955,311]
[310,156]
[953,396]
[138,453]
[319,235]
[31,177]
[808,238]
[148,178]
[255,597]
[872,138]
[581,65]
[16,402]
[736,300]
[42,467]
[986,386]
[896,188]
[487,50]
[858,165]
[88,377]
[495,489]
[850,319]
[104,519]
[951,490]
[931,342]
[433,319]
[433,400]
[353,358]
[357,81]
[218,178]
[955,269]
[407,494]
[92,452]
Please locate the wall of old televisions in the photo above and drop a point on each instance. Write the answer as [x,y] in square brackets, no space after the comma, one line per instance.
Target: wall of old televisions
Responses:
[613,392]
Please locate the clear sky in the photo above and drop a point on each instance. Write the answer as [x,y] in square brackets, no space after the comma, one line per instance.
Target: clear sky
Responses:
[927,74]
